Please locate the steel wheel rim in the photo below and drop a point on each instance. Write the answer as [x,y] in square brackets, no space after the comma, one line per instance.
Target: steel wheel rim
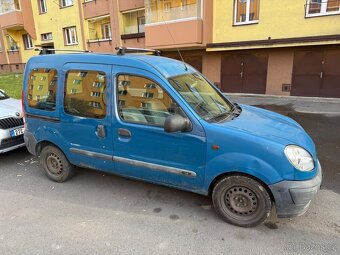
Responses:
[241,201]
[54,164]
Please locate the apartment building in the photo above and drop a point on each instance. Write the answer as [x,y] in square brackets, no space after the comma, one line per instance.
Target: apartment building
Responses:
[25,25]
[243,46]
[276,47]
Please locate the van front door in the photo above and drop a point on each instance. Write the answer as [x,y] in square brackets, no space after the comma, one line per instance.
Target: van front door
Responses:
[86,122]
[142,148]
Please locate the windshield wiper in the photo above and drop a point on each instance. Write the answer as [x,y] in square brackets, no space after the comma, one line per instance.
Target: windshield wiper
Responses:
[224,115]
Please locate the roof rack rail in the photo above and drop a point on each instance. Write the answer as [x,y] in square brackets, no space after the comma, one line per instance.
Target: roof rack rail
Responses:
[44,51]
[123,50]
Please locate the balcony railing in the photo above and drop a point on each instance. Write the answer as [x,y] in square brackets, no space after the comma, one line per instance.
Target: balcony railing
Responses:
[161,11]
[9,6]
[320,8]
[99,40]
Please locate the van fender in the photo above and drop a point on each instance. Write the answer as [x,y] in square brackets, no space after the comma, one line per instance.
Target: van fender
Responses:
[240,163]
[45,134]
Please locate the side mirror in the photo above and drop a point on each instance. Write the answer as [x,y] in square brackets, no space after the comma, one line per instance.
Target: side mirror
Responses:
[175,123]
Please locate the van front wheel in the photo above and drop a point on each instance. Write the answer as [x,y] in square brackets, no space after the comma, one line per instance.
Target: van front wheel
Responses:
[55,164]
[241,201]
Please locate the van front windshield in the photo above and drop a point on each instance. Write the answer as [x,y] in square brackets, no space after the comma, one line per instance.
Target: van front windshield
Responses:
[201,96]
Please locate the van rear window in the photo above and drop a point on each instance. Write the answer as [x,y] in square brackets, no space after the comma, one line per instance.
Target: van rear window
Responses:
[85,94]
[42,89]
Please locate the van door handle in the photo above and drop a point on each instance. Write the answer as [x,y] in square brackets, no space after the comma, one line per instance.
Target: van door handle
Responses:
[100,131]
[124,132]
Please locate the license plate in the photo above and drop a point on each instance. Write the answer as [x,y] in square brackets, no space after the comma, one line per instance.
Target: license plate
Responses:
[16,132]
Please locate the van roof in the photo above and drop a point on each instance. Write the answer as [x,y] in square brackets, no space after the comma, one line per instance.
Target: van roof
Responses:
[167,67]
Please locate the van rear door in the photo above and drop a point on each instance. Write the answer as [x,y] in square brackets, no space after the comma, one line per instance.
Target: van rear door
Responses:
[86,122]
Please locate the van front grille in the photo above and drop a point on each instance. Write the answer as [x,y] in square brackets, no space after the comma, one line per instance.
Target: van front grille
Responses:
[11,123]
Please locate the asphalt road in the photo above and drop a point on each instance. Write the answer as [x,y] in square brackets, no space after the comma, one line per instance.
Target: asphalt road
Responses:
[96,213]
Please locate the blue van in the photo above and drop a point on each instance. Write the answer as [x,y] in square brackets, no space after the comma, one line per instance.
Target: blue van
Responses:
[159,120]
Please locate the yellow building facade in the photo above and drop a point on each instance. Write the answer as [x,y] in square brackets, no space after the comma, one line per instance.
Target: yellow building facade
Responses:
[243,46]
[276,47]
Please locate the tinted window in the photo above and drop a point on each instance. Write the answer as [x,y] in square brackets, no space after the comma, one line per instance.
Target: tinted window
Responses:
[141,100]
[42,89]
[85,94]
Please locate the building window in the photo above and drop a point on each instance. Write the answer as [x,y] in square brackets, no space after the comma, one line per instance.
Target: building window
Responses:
[322,7]
[167,6]
[28,43]
[141,24]
[81,97]
[42,6]
[12,45]
[46,37]
[41,94]
[99,29]
[246,12]
[70,36]
[65,3]
[184,5]
[106,31]
[134,22]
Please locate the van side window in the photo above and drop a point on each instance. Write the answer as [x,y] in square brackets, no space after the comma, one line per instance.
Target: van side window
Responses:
[42,89]
[141,100]
[85,94]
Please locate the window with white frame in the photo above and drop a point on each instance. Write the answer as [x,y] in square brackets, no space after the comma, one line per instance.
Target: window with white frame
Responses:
[28,43]
[246,11]
[46,37]
[322,7]
[42,6]
[65,3]
[106,31]
[70,35]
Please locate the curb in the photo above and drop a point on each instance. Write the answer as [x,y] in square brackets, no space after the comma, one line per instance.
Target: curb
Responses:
[309,99]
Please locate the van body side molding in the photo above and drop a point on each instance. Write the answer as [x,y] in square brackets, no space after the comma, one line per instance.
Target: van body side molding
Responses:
[152,166]
[91,154]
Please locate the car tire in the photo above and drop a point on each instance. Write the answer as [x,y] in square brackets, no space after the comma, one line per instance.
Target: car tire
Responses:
[241,201]
[55,164]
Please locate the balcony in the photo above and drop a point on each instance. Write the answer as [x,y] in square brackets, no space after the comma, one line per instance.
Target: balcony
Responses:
[173,22]
[100,37]
[133,25]
[12,20]
[95,8]
[16,15]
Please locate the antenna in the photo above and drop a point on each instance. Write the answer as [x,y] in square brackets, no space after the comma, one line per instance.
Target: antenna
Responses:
[173,40]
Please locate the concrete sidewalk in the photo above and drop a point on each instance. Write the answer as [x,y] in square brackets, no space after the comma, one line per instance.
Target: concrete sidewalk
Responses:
[289,103]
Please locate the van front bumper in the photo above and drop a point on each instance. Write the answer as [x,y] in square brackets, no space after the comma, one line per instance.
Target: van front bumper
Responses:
[292,198]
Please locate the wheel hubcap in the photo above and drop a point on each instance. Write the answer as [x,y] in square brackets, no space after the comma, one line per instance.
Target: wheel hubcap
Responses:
[54,164]
[241,200]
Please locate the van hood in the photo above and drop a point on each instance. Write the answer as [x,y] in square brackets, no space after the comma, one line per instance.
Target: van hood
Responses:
[270,125]
[9,107]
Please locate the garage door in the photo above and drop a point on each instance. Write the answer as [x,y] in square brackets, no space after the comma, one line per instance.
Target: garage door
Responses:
[244,73]
[316,73]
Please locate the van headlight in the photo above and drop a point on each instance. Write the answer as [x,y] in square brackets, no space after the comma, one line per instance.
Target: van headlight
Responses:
[299,158]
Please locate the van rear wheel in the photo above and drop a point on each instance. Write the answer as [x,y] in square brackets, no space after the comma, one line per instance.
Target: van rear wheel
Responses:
[55,164]
[241,201]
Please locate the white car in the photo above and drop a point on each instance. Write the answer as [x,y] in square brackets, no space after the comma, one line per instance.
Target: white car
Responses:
[11,123]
